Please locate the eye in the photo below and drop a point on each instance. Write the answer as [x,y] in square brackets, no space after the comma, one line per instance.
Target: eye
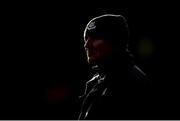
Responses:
[98,42]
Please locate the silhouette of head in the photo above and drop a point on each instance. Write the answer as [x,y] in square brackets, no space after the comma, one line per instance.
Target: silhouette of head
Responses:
[105,35]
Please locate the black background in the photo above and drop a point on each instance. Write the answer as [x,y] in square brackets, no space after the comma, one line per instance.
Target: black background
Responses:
[43,62]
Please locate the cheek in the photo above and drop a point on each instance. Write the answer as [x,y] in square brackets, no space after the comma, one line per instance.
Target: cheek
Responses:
[102,48]
[98,43]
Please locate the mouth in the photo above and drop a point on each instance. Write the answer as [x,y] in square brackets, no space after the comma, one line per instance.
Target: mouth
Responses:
[90,52]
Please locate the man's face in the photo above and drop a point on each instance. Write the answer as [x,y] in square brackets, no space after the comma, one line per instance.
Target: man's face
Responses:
[96,49]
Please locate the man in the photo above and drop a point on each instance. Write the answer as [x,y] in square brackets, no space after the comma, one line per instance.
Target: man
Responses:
[118,89]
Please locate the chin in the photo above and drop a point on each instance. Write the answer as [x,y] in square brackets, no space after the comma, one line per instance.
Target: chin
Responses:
[92,60]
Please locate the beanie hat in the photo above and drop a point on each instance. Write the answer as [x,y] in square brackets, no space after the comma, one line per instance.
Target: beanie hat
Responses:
[109,27]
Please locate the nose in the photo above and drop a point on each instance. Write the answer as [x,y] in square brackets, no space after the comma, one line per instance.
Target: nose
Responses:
[87,43]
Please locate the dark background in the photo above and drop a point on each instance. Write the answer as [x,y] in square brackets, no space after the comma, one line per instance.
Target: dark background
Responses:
[43,62]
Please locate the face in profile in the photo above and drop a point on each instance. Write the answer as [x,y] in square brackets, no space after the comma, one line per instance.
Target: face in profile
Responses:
[96,49]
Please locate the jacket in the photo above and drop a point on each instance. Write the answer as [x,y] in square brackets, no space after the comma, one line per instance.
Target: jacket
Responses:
[118,90]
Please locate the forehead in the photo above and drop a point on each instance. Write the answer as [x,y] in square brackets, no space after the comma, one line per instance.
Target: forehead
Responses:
[87,38]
